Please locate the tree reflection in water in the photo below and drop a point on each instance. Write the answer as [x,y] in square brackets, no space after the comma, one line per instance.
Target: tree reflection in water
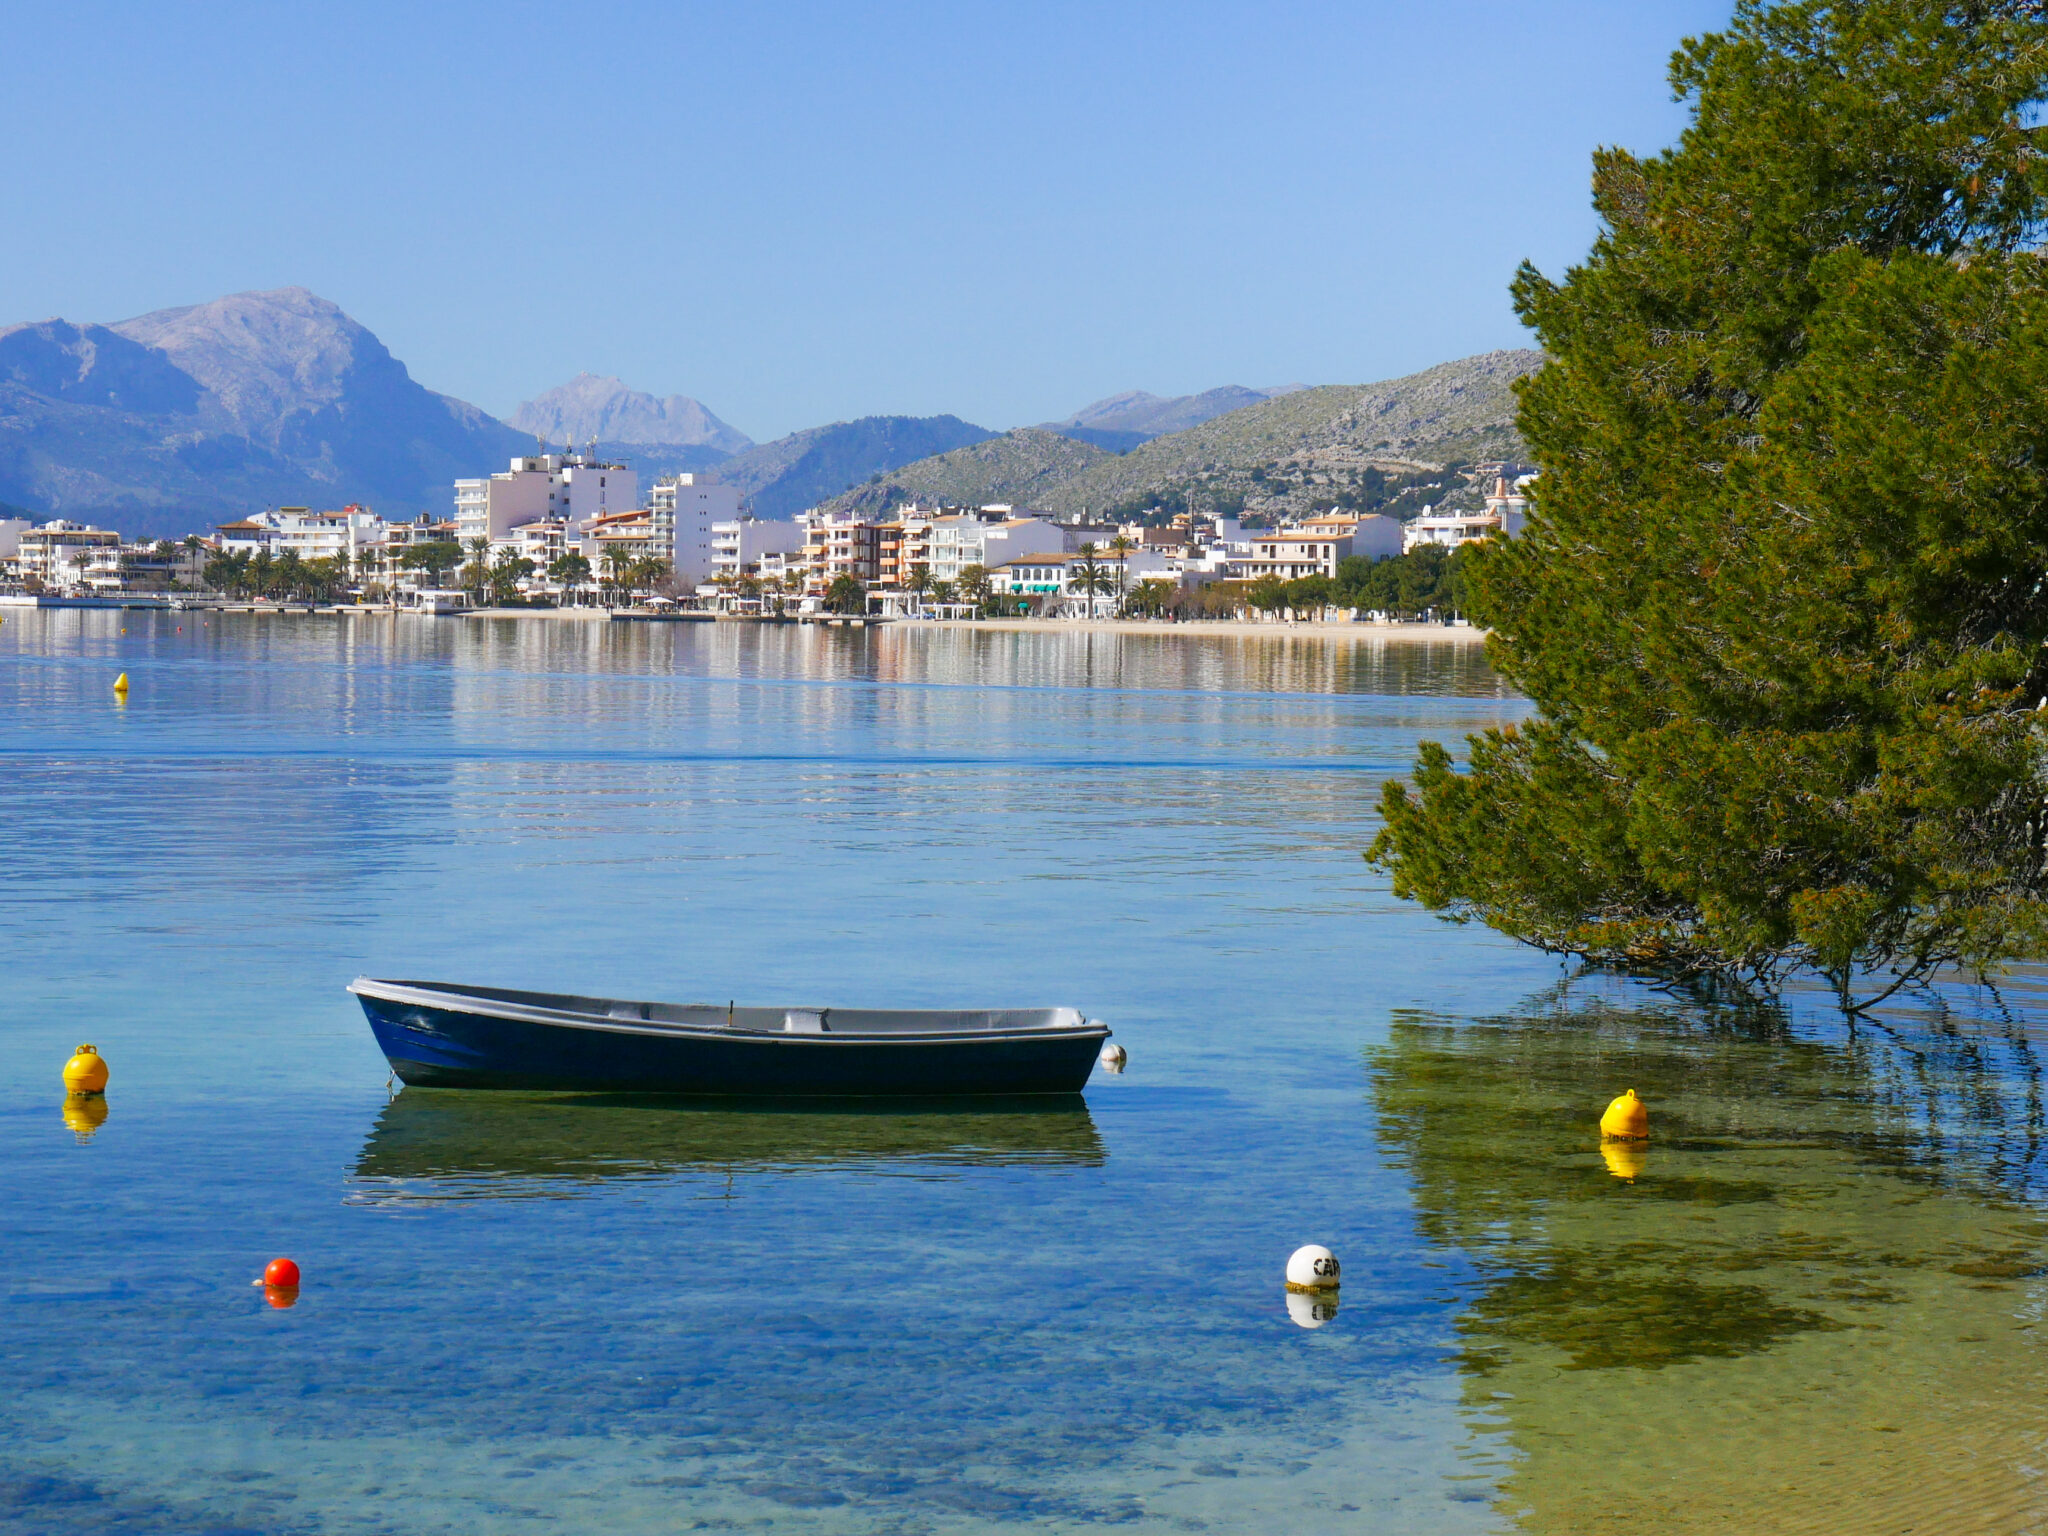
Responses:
[1809,1304]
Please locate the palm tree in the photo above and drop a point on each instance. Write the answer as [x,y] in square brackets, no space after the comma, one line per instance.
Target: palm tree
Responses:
[507,571]
[479,572]
[976,588]
[571,569]
[846,594]
[920,582]
[291,576]
[647,572]
[616,563]
[226,572]
[1090,574]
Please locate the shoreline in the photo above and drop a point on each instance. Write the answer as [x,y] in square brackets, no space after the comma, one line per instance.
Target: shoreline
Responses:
[1340,630]
[1228,628]
[1456,634]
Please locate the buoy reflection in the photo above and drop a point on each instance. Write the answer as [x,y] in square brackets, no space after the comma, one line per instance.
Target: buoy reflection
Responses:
[281,1296]
[1623,1160]
[85,1113]
[1311,1309]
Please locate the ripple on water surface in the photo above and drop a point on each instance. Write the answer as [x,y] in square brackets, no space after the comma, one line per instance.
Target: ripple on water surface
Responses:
[1809,1305]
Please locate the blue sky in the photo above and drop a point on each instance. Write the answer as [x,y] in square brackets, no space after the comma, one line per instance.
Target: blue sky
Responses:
[801,212]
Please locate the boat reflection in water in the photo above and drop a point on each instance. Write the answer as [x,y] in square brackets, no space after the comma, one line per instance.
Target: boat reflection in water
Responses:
[448,1144]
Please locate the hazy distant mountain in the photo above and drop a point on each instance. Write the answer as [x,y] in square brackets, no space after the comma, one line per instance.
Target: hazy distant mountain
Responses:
[1290,452]
[781,478]
[591,407]
[1120,422]
[168,422]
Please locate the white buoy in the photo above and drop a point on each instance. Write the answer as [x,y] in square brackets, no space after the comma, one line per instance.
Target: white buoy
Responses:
[1313,1268]
[1311,1310]
[1112,1057]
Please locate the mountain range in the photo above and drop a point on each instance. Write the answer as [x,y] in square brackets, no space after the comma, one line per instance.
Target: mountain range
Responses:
[1393,445]
[166,423]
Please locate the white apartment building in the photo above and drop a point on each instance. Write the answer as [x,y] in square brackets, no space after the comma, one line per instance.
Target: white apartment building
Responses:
[1507,513]
[352,531]
[739,547]
[1053,576]
[384,562]
[628,535]
[686,509]
[11,530]
[64,554]
[957,542]
[576,488]
[1510,503]
[1315,547]
[541,542]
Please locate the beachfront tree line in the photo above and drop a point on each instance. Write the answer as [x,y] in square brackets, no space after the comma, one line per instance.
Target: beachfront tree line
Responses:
[1425,583]
[495,579]
[285,577]
[1781,604]
[488,578]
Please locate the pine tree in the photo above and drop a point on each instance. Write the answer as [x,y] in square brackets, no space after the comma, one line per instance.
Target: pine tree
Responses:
[1780,607]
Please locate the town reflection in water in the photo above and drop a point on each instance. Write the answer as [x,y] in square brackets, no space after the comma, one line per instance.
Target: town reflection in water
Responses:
[1810,1304]
[445,1144]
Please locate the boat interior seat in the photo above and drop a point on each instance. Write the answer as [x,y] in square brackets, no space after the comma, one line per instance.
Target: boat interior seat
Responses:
[779,1021]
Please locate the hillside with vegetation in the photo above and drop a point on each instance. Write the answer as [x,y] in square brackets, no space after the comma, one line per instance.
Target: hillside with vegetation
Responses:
[1363,447]
[1393,446]
[1022,468]
[1123,421]
[781,478]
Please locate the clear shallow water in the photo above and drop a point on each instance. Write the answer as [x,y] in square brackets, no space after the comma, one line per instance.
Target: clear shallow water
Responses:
[1813,1305]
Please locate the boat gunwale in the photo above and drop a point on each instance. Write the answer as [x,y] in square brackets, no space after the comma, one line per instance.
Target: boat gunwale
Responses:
[431,997]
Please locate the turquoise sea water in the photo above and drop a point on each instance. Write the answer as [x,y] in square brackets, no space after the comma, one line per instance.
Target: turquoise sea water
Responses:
[532,1313]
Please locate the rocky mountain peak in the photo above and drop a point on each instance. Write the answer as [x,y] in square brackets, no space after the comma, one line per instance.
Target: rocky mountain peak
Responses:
[596,407]
[265,355]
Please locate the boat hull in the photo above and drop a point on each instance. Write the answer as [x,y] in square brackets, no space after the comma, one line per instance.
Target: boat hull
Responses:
[465,1047]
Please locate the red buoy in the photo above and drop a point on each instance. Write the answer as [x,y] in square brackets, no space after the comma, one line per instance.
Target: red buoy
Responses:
[281,1272]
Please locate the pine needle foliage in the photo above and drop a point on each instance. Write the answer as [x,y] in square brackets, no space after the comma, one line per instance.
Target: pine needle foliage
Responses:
[1781,604]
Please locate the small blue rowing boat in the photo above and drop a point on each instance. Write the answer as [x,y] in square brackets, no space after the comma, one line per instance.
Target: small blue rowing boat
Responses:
[436,1034]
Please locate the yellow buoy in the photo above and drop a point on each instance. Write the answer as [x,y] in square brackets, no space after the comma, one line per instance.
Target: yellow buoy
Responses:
[121,684]
[1623,1159]
[1627,1119]
[85,1072]
[85,1113]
